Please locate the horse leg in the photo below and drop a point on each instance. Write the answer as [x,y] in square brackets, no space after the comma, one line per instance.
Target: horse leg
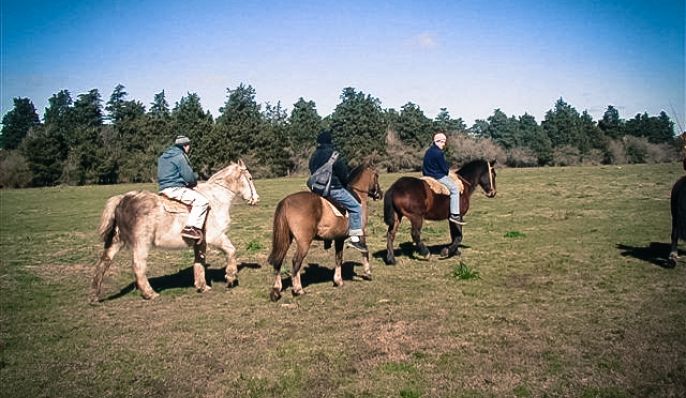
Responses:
[416,232]
[674,251]
[302,247]
[456,236]
[390,237]
[140,256]
[337,277]
[199,280]
[101,267]
[365,263]
[275,293]
[229,250]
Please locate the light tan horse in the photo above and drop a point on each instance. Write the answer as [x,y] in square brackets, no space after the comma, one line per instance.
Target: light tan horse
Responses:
[142,219]
[305,216]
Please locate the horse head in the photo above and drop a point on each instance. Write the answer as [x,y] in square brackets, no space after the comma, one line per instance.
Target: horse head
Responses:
[237,179]
[365,178]
[480,172]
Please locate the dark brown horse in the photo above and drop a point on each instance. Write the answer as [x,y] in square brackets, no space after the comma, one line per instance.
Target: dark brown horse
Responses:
[305,216]
[413,198]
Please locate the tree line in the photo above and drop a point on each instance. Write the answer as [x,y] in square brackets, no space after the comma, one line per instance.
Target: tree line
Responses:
[83,141]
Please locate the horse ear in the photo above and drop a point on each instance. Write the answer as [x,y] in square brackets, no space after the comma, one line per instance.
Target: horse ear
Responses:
[493,162]
[240,163]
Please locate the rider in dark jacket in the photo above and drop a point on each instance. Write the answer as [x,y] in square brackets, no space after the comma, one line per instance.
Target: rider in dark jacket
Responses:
[338,192]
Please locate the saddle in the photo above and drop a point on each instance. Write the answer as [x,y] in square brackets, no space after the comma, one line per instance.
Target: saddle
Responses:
[338,212]
[441,189]
[174,206]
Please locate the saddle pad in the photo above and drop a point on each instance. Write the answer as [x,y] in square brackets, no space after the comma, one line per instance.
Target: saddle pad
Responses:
[334,209]
[174,206]
[441,189]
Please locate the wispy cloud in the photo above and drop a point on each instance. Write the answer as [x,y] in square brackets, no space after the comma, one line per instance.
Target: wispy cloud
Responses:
[425,40]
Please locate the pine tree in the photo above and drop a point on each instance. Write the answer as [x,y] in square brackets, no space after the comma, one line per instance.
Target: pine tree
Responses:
[17,123]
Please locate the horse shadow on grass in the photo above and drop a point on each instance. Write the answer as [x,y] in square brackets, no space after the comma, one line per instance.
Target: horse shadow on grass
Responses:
[656,253]
[408,250]
[182,279]
[316,274]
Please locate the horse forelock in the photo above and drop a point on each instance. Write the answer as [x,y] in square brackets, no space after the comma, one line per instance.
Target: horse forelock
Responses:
[473,170]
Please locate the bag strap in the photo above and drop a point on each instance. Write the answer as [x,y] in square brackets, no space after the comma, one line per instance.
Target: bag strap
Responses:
[329,163]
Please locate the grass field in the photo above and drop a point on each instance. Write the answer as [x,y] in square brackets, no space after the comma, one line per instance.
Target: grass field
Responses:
[561,290]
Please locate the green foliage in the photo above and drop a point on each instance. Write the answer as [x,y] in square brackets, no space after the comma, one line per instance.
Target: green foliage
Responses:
[17,123]
[14,170]
[413,127]
[514,234]
[358,125]
[463,272]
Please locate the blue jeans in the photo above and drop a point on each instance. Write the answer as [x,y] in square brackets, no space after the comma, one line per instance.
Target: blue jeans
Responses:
[344,198]
[454,194]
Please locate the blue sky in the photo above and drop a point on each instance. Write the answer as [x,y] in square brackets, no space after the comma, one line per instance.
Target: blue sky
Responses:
[470,57]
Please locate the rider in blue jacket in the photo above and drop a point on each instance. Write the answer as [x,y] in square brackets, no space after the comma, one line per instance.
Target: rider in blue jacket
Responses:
[435,166]
[177,179]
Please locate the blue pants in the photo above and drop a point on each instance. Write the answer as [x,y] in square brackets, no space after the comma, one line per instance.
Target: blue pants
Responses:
[454,194]
[344,198]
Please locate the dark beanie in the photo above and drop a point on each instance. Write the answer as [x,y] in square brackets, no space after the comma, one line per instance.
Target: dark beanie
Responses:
[324,137]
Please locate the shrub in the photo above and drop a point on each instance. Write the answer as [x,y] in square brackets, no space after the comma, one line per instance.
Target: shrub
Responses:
[566,155]
[522,157]
[14,170]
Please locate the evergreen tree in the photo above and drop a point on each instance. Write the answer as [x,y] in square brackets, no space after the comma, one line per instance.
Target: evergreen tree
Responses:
[159,108]
[116,103]
[17,123]
[277,157]
[86,152]
[303,126]
[611,124]
[502,129]
[443,122]
[191,120]
[563,126]
[358,125]
[46,148]
[413,127]
[532,136]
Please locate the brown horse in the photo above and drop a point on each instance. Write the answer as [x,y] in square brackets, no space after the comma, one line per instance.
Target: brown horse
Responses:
[142,219]
[413,198]
[305,216]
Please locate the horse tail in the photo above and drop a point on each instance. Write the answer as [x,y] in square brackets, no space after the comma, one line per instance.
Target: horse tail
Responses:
[678,204]
[388,207]
[281,236]
[108,226]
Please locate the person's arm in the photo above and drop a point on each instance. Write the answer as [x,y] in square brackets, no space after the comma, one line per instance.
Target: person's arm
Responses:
[341,170]
[187,172]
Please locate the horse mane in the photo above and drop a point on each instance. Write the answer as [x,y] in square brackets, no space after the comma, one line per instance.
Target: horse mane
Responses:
[221,173]
[469,169]
[356,172]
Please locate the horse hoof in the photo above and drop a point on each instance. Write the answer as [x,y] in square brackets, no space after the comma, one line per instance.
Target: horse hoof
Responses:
[337,283]
[203,289]
[297,293]
[274,295]
[231,283]
[151,296]
[390,261]
[444,252]
[367,276]
[425,257]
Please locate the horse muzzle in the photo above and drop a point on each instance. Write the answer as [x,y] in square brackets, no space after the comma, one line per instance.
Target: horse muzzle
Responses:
[252,201]
[490,194]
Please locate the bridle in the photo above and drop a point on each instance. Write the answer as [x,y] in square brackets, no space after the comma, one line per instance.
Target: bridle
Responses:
[375,194]
[253,192]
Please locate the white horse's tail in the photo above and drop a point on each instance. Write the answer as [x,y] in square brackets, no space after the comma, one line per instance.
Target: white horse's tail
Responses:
[108,228]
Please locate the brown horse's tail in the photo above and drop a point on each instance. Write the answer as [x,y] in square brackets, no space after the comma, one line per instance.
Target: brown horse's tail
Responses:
[108,227]
[281,237]
[388,207]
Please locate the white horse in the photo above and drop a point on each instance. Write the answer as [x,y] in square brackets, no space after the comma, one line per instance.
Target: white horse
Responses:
[142,219]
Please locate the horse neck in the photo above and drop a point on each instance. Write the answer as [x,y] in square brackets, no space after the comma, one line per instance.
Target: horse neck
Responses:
[220,197]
